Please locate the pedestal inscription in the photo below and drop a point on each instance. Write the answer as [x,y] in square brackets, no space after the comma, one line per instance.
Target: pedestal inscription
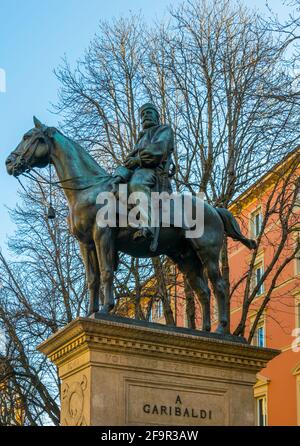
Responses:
[174,405]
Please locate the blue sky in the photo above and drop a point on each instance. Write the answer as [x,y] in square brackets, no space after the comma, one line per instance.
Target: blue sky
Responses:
[34,35]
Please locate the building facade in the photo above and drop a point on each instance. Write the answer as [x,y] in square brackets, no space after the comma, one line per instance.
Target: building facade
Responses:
[260,210]
[269,212]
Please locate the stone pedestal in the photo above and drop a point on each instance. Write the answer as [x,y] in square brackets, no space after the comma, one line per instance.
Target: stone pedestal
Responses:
[120,372]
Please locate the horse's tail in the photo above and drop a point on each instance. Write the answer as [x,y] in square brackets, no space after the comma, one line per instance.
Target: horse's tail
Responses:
[232,228]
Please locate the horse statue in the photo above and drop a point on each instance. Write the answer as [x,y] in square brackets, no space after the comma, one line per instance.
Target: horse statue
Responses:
[82,179]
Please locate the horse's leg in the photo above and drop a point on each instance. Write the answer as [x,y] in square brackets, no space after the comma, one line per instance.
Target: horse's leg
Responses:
[208,251]
[90,261]
[190,265]
[107,259]
[219,288]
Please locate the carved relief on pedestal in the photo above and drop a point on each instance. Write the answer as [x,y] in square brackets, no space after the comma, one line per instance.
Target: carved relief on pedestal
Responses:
[73,402]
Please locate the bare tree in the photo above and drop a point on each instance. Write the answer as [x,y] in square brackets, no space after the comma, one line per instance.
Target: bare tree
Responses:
[219,76]
[279,234]
[98,100]
[42,289]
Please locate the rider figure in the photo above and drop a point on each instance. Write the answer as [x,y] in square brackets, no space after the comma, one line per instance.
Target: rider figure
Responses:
[147,166]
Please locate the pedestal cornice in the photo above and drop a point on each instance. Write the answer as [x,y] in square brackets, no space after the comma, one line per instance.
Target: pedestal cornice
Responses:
[183,345]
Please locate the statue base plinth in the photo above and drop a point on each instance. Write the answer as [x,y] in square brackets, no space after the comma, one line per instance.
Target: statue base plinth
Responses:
[120,372]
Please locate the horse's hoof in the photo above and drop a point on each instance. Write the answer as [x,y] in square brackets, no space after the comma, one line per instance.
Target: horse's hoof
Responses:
[106,309]
[222,329]
[206,328]
[91,312]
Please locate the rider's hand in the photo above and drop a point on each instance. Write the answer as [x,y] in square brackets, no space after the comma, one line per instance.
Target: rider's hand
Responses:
[132,162]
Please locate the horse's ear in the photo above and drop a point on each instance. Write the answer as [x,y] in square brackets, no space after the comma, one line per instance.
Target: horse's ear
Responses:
[37,123]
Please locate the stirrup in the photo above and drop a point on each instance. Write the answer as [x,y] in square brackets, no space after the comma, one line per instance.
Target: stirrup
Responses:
[143,232]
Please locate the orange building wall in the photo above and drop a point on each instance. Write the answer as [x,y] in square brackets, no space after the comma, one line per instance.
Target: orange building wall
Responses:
[279,318]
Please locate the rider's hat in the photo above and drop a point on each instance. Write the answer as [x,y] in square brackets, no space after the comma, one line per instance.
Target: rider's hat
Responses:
[147,106]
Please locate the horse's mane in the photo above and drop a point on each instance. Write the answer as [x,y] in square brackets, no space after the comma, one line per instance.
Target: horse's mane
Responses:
[101,172]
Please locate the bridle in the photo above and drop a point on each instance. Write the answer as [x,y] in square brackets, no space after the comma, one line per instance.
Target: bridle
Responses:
[24,163]
[21,160]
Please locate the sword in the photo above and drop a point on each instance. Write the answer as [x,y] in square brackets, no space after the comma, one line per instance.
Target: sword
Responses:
[154,242]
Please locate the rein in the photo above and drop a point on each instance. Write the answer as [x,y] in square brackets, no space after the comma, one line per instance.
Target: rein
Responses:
[56,183]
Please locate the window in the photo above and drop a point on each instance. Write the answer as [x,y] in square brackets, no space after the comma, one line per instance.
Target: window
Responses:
[151,315]
[159,309]
[156,311]
[261,336]
[261,412]
[261,400]
[296,373]
[256,223]
[215,310]
[259,339]
[185,322]
[169,294]
[257,275]
[298,398]
[172,269]
[297,312]
[297,262]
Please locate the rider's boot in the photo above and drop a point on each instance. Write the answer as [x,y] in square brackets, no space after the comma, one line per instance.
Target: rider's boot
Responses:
[146,231]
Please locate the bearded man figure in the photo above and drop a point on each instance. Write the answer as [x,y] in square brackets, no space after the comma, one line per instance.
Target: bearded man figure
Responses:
[147,167]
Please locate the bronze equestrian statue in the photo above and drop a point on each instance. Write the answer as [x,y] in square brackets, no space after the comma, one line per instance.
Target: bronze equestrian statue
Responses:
[83,179]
